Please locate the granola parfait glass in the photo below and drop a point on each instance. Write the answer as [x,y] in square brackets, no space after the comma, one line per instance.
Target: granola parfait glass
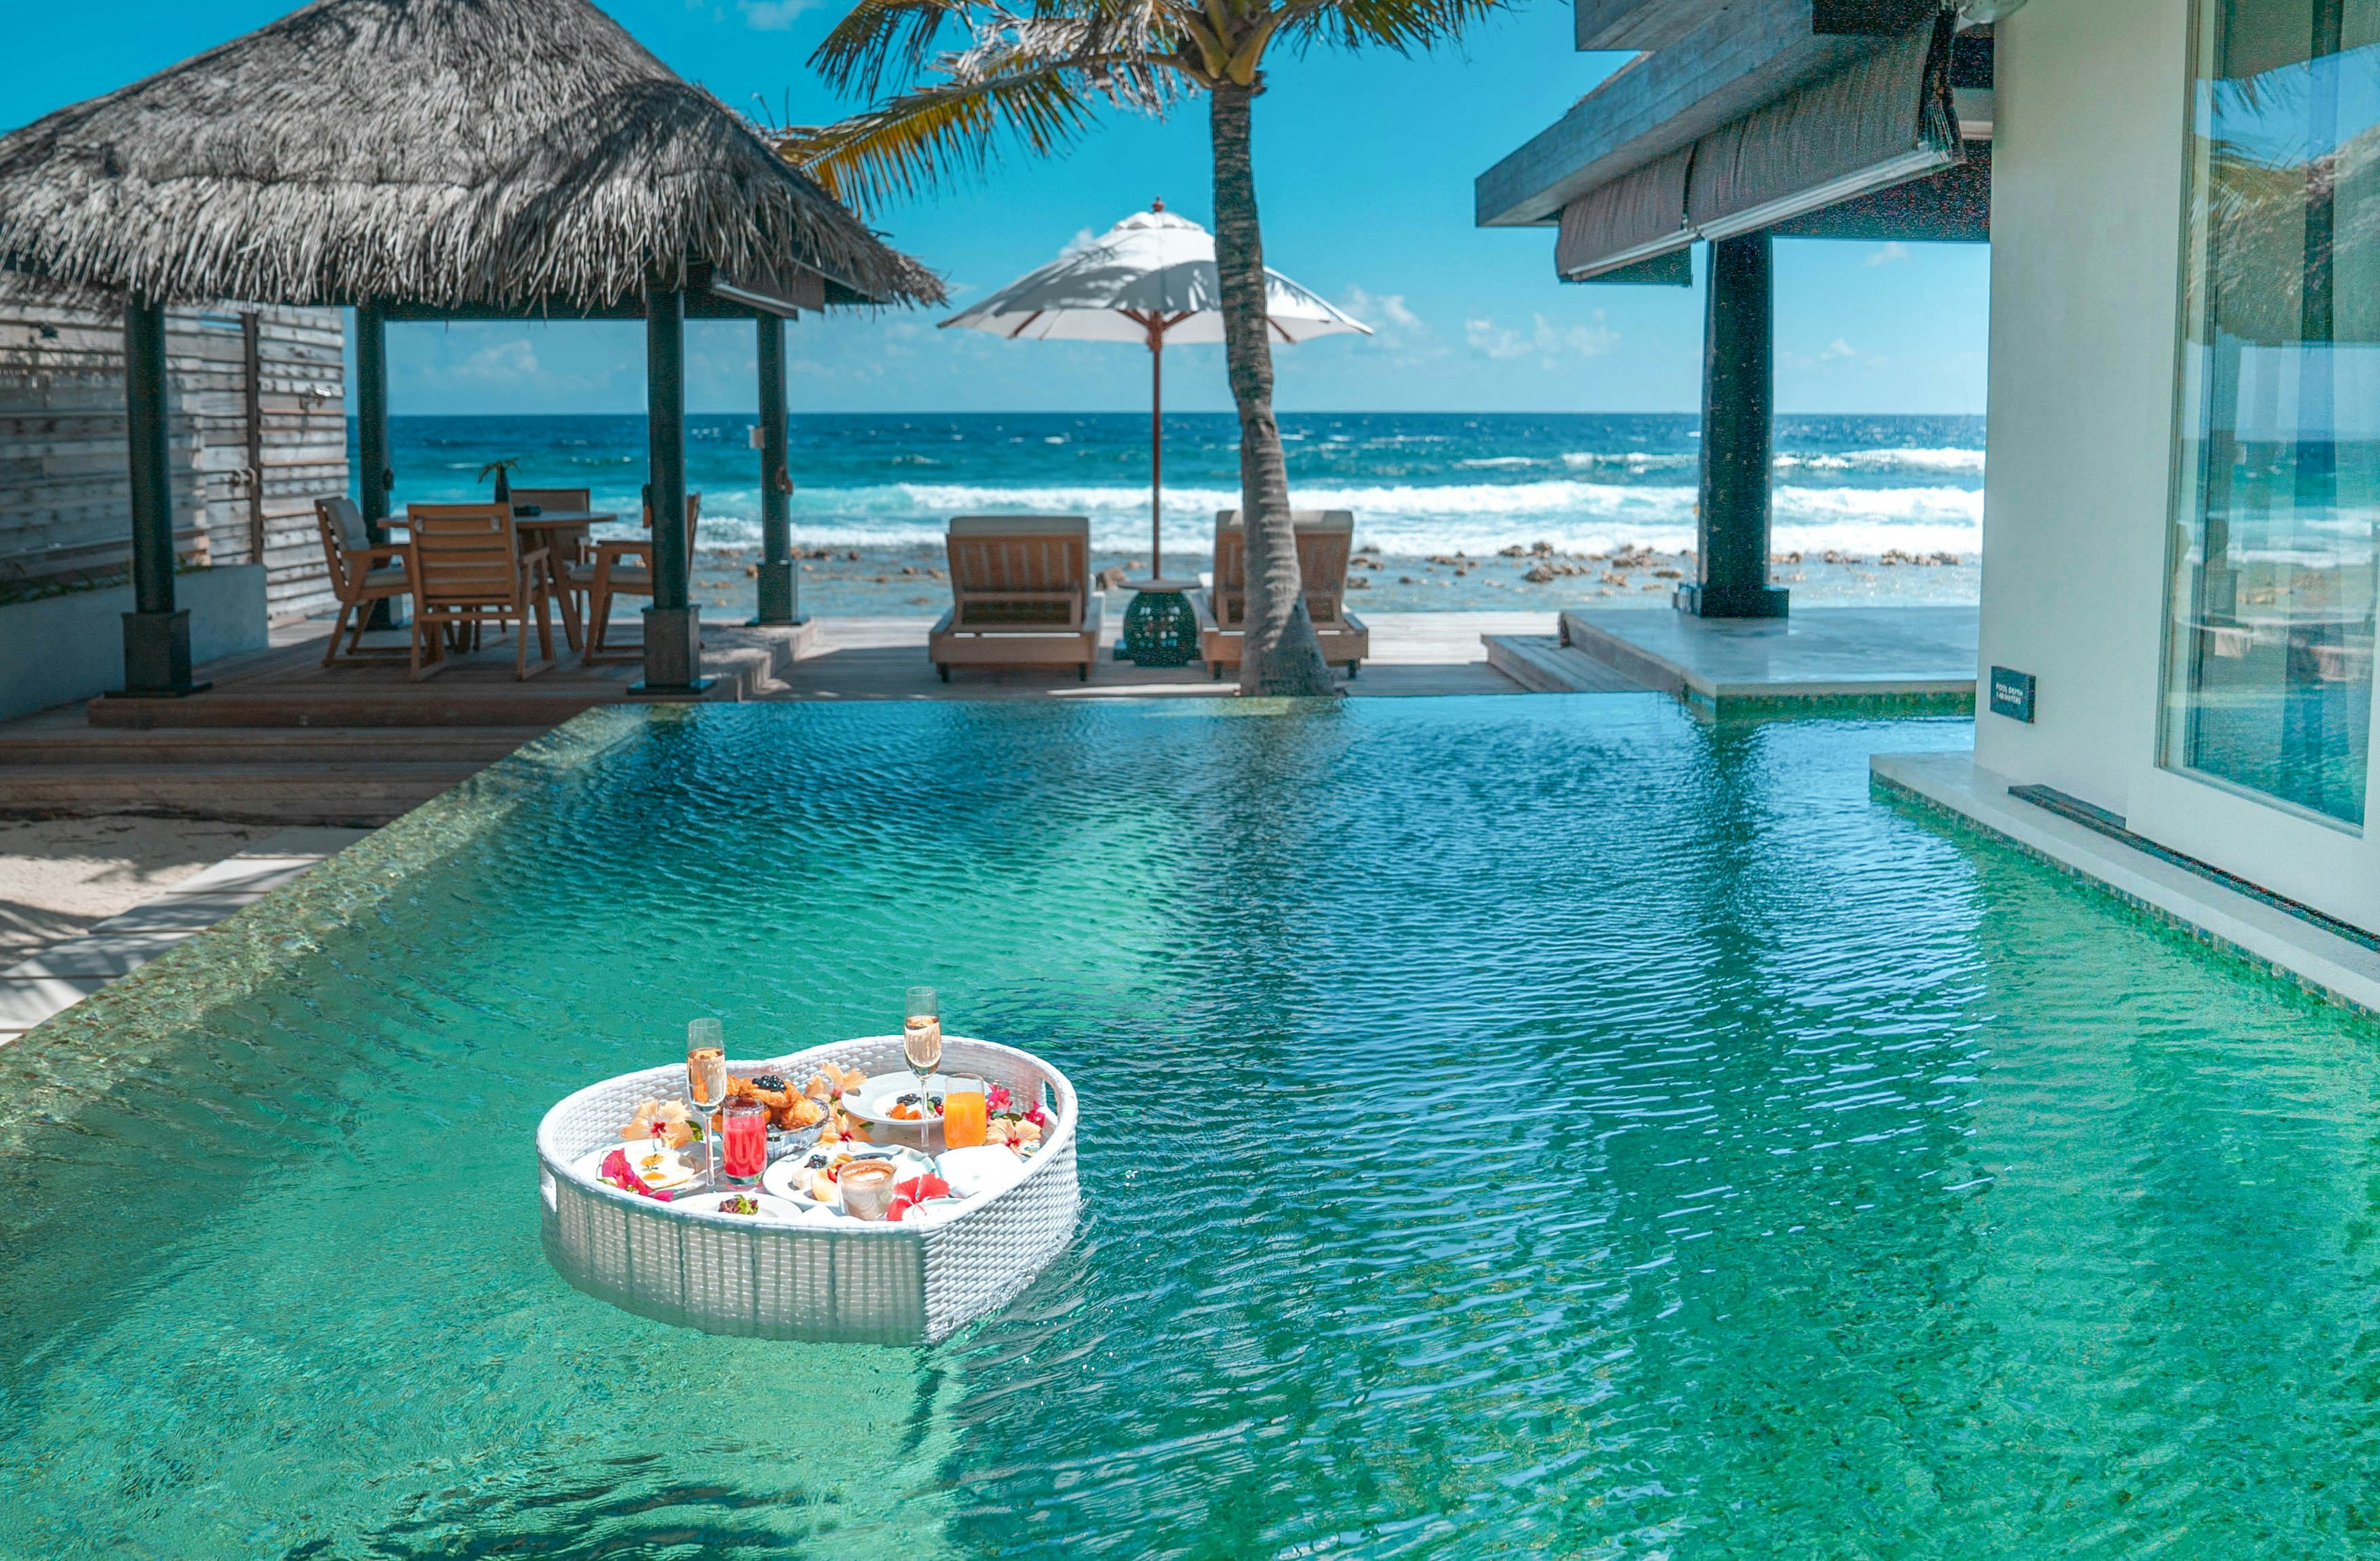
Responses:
[921,1039]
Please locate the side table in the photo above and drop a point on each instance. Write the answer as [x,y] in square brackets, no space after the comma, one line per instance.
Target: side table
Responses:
[1160,627]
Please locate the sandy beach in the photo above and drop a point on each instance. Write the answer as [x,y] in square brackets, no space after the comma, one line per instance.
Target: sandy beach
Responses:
[898,581]
[58,876]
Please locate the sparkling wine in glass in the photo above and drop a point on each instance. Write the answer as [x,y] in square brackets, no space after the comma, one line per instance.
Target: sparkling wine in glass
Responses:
[921,1038]
[706,1086]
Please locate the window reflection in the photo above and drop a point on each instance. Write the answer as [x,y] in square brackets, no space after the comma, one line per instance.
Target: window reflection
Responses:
[2269,681]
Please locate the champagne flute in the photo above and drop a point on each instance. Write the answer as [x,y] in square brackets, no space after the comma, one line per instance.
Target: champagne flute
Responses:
[706,1084]
[921,1039]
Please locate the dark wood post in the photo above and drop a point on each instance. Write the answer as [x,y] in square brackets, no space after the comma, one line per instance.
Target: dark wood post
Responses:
[672,627]
[156,633]
[781,587]
[251,379]
[1739,384]
[375,474]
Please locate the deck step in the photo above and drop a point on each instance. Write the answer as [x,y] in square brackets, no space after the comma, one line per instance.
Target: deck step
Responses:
[289,793]
[218,745]
[1542,664]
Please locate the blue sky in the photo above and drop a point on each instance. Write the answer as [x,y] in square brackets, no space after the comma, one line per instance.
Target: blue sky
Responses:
[1364,165]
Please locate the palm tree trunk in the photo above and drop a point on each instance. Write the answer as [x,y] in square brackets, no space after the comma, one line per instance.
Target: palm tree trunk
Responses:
[1280,654]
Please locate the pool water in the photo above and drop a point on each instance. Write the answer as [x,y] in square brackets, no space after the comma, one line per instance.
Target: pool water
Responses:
[1512,1127]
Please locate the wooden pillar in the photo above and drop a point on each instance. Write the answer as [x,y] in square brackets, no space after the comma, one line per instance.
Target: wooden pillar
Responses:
[156,634]
[672,627]
[1739,385]
[251,381]
[781,587]
[375,474]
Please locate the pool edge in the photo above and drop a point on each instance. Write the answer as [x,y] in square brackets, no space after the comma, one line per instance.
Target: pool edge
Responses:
[118,1026]
[1952,787]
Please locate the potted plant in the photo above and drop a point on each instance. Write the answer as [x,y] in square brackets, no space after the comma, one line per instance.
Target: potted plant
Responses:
[503,477]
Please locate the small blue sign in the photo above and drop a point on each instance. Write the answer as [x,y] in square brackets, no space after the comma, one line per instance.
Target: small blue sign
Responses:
[2012,694]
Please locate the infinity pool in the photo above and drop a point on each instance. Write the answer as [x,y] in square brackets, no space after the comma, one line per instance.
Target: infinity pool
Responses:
[1513,1127]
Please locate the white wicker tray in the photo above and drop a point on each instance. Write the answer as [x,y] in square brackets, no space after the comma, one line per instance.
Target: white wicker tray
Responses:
[848,1283]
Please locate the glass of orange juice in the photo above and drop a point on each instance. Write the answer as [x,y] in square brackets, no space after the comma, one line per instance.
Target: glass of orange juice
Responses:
[964,1113]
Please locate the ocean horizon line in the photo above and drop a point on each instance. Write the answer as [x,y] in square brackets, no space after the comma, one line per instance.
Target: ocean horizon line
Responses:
[1141,414]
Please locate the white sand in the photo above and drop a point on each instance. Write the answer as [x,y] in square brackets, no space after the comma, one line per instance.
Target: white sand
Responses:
[59,875]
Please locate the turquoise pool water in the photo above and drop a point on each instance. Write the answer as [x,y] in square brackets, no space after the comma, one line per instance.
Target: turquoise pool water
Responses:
[1514,1127]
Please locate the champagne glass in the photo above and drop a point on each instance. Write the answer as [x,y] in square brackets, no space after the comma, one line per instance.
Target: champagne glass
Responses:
[706,1086]
[921,1039]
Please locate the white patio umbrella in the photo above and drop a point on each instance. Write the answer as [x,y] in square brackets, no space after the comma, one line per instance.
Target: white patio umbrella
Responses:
[1149,279]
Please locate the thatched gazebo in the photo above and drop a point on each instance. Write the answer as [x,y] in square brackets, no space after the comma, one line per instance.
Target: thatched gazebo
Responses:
[437,160]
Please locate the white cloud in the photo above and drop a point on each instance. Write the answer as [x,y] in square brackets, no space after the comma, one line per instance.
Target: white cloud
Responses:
[1547,339]
[1838,350]
[503,363]
[1886,254]
[1382,312]
[773,15]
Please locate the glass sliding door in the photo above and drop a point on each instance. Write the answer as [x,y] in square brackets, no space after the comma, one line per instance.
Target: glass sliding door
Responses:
[2268,675]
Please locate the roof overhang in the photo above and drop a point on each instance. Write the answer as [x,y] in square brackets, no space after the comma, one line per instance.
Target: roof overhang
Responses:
[1729,60]
[709,295]
[1882,121]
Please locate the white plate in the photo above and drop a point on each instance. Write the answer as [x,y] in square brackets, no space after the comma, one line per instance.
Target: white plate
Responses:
[779,1179]
[776,1209]
[677,1174]
[984,1170]
[872,1101]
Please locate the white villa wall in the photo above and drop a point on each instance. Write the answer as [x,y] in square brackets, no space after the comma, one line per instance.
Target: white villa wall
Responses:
[2088,164]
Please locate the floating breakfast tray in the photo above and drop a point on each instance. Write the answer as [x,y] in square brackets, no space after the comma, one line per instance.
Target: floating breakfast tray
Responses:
[851,1283]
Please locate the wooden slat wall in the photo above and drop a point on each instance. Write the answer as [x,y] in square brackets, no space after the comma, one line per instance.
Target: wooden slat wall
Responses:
[65,498]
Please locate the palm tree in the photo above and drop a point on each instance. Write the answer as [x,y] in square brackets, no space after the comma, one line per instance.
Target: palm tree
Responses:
[1039,78]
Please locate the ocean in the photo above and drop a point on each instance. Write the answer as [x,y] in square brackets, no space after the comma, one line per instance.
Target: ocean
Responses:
[1872,492]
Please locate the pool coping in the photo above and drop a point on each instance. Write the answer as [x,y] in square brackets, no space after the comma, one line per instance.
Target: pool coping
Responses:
[2289,947]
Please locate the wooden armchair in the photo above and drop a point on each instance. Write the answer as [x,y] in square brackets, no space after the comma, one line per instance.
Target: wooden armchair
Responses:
[1324,543]
[362,572]
[1020,595]
[468,569]
[611,573]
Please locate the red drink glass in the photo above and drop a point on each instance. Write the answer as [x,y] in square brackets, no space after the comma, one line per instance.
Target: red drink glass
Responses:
[747,1141]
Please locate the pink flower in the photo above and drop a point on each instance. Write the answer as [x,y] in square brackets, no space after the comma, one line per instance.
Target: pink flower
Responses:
[615,1171]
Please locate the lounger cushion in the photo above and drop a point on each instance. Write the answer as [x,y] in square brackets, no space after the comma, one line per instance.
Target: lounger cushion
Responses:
[387,578]
[348,522]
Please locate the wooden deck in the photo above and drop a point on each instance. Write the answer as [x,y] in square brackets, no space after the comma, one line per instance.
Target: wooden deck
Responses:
[278,738]
[288,686]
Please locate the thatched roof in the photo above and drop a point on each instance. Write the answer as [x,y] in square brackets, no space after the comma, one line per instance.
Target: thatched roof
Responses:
[450,152]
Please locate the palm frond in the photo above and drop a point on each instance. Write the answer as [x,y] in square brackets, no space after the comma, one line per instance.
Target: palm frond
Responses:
[881,38]
[1406,26]
[920,139]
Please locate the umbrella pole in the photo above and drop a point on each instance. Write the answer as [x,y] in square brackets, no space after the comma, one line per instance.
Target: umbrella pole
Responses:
[1155,454]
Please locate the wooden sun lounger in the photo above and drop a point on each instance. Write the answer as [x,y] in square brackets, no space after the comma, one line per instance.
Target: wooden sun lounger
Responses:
[1020,595]
[1324,539]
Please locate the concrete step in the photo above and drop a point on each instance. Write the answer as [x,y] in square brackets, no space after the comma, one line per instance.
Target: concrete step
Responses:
[237,746]
[1542,664]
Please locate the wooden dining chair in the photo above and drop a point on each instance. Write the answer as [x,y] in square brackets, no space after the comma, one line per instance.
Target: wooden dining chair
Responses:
[611,573]
[468,569]
[362,572]
[1326,541]
[567,547]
